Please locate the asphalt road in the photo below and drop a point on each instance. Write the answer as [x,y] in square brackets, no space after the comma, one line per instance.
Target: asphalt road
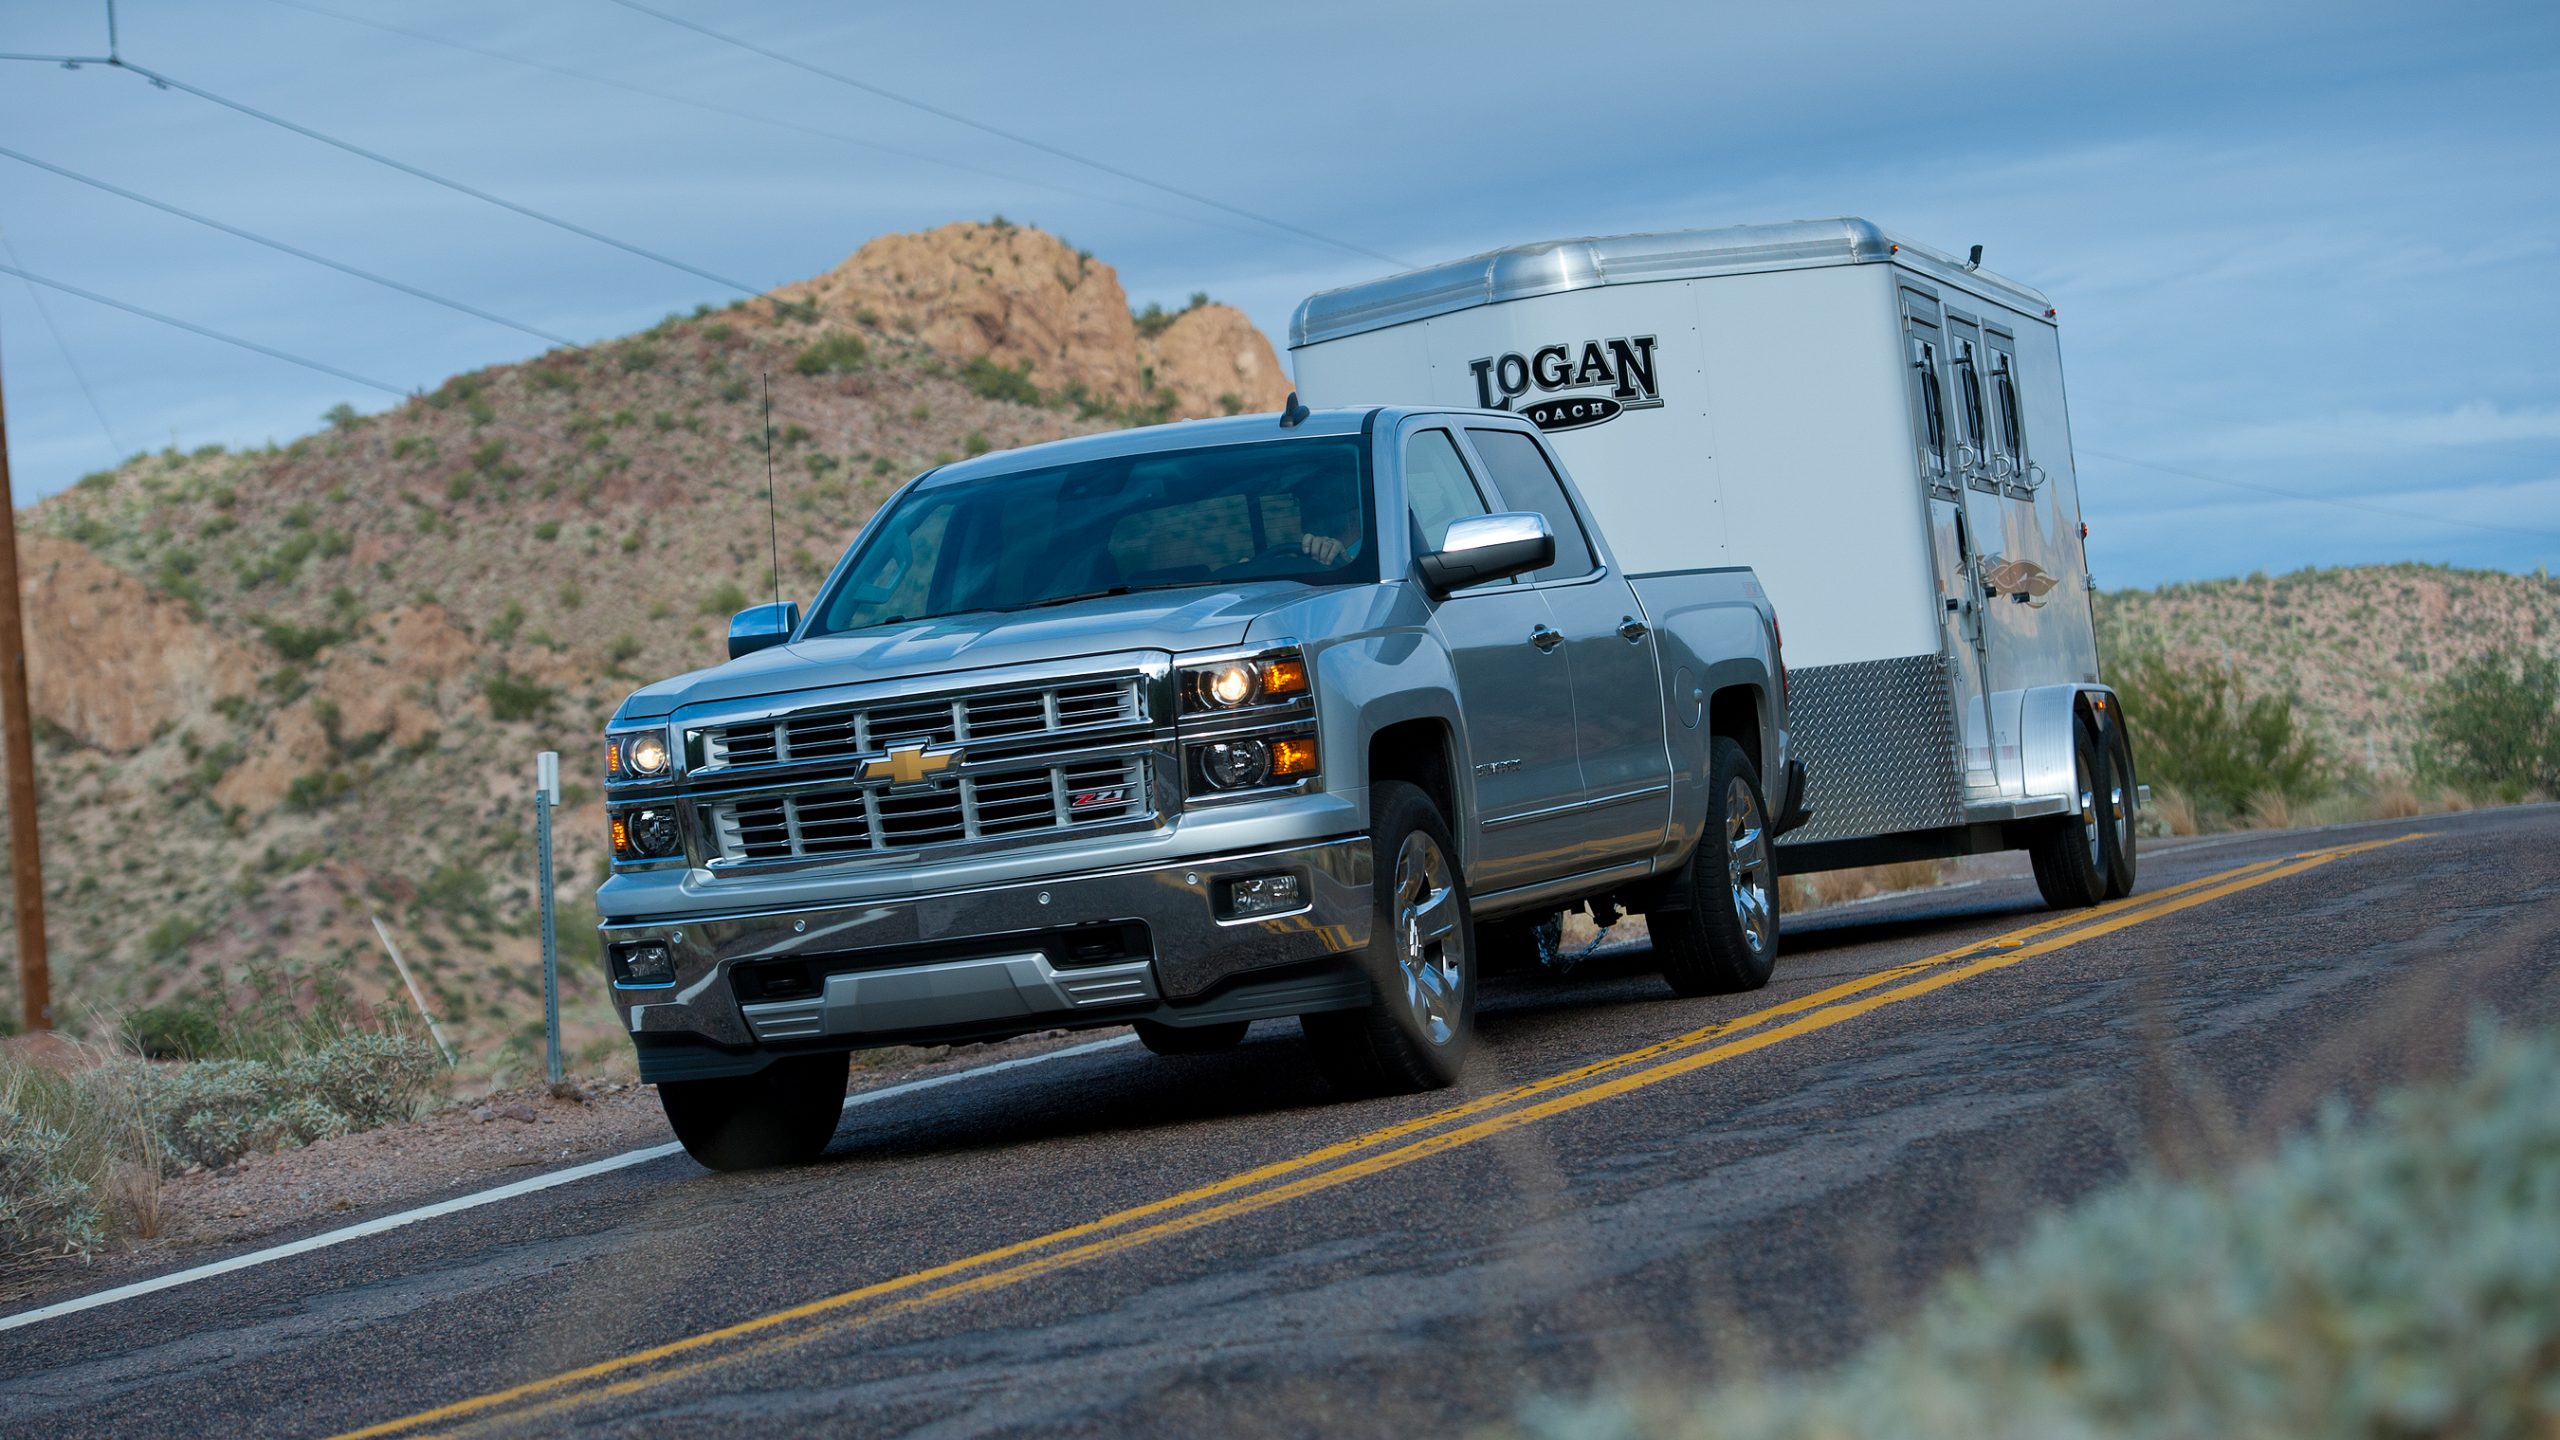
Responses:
[1627,1186]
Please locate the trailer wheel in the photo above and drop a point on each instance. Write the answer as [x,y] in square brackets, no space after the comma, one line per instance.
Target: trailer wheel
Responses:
[2121,798]
[1191,1039]
[2070,851]
[1421,960]
[1717,931]
[1522,945]
[783,1114]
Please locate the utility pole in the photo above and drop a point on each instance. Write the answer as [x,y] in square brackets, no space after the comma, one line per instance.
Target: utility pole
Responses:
[35,978]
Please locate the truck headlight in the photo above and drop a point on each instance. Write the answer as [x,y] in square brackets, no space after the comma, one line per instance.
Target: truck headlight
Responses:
[648,833]
[1235,764]
[648,755]
[637,755]
[1238,684]
[1247,762]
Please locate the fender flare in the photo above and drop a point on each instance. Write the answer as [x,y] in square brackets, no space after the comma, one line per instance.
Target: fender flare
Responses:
[2046,716]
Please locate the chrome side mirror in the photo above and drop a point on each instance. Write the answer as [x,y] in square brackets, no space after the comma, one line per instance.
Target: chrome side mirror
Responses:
[761,627]
[1485,548]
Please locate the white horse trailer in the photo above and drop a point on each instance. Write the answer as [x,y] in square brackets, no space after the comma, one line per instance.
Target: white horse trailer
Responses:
[1874,427]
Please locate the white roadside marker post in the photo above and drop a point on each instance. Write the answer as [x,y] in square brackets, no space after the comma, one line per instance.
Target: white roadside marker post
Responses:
[416,996]
[546,794]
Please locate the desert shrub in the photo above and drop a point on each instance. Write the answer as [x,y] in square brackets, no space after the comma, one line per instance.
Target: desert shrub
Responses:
[516,697]
[1155,319]
[297,643]
[2398,1276]
[45,1203]
[833,354]
[213,1112]
[2495,721]
[1001,382]
[727,600]
[2192,729]
[174,1032]
[77,1166]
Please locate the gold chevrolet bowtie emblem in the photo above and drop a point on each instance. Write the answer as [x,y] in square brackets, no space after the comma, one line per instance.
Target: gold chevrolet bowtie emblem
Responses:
[907,764]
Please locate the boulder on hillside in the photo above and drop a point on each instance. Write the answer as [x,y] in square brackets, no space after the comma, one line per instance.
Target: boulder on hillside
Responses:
[1013,295]
[111,660]
[1022,297]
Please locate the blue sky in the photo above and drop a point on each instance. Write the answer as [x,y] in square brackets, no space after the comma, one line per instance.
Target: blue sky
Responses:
[2307,247]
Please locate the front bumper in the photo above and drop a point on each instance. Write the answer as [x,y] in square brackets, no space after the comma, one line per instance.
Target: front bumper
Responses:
[1143,942]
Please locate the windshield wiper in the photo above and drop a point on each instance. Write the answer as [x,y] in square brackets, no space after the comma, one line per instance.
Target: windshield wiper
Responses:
[1101,594]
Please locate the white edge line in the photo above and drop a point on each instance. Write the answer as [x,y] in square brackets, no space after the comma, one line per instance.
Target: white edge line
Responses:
[508,1191]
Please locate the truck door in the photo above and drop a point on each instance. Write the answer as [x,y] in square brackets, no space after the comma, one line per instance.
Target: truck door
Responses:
[1617,688]
[1952,545]
[1515,691]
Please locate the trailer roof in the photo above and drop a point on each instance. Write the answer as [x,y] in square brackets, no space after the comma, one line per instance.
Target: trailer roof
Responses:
[1553,266]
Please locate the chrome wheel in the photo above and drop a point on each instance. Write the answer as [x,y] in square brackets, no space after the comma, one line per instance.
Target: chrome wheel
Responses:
[1430,948]
[1746,865]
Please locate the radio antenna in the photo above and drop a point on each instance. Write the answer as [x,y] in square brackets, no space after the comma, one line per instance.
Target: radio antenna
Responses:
[772,526]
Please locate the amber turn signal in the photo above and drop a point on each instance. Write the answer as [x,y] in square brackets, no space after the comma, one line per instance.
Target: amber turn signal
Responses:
[1284,677]
[621,836]
[1293,757]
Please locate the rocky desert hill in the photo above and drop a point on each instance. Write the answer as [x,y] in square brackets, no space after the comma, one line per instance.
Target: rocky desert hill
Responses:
[282,692]
[2359,647]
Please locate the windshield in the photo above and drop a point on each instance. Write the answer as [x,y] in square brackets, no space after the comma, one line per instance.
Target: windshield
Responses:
[1272,510]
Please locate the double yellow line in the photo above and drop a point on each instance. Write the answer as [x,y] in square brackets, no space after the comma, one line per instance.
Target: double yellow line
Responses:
[1387,1148]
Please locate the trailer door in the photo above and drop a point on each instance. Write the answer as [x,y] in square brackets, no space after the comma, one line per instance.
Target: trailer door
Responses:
[1952,550]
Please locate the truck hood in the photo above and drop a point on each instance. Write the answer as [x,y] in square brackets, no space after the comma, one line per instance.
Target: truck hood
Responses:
[1196,618]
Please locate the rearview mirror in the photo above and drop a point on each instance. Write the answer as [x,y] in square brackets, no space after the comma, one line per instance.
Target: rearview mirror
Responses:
[761,627]
[1485,548]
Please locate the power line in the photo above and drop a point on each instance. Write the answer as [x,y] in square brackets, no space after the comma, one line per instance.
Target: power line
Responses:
[188,325]
[2318,499]
[1016,137]
[168,82]
[715,108]
[295,251]
[69,360]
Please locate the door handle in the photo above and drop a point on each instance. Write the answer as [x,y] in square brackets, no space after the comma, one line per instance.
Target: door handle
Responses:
[1546,639]
[1632,629]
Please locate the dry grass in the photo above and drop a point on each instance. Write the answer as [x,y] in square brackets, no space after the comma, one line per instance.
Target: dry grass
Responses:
[1838,887]
[2175,810]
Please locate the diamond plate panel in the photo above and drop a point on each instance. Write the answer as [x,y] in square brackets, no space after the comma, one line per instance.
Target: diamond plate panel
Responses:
[1878,743]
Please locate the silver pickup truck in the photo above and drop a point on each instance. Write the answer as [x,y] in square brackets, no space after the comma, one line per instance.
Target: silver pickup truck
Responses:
[1326,715]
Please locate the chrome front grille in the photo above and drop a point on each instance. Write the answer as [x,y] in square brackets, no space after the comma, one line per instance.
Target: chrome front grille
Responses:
[1008,763]
[853,731]
[867,819]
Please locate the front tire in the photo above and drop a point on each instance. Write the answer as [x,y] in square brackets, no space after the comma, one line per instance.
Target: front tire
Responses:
[2070,851]
[1717,933]
[783,1114]
[1421,960]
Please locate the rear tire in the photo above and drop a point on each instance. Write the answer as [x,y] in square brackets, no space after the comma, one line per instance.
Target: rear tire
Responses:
[1191,1039]
[2121,803]
[1421,960]
[1717,931]
[2070,851]
[783,1114]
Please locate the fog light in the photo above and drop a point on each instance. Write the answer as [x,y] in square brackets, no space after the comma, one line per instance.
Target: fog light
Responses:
[1263,895]
[1235,764]
[653,831]
[642,963]
[1293,758]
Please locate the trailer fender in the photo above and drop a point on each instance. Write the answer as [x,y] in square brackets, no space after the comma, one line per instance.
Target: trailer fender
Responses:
[2047,715]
